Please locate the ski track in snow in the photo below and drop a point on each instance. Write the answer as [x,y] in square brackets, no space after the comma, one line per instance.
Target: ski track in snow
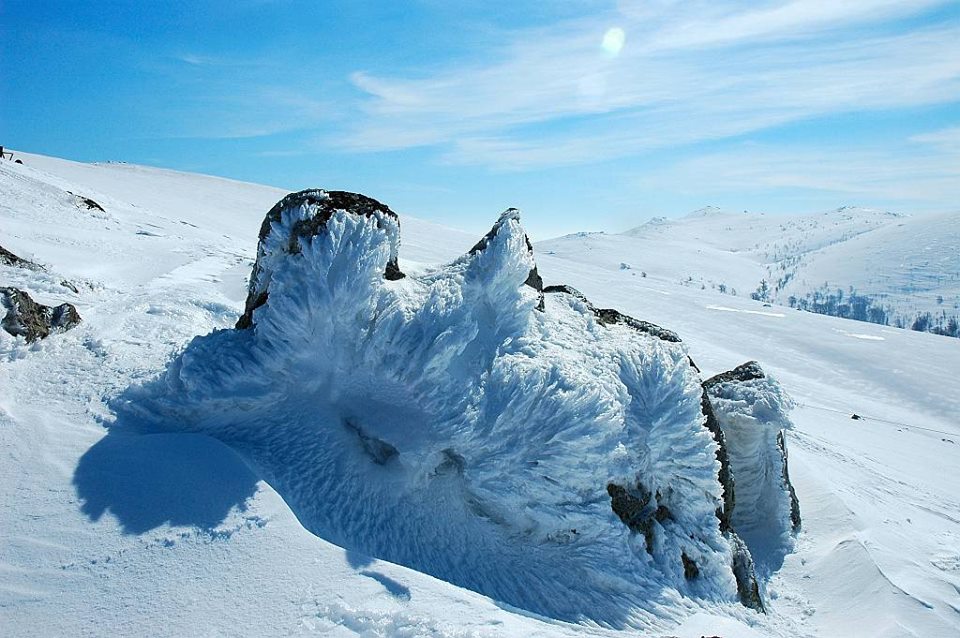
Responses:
[748,312]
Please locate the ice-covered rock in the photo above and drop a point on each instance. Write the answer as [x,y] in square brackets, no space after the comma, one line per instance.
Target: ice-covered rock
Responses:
[527,446]
[31,320]
[607,316]
[751,411]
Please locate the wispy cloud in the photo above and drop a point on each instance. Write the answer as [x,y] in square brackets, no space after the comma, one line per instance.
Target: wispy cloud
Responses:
[874,175]
[688,72]
[947,139]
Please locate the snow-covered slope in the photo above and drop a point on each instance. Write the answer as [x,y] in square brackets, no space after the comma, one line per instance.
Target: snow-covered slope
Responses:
[899,267]
[174,534]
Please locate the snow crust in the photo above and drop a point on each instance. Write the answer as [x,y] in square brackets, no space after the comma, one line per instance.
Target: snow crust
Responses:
[445,423]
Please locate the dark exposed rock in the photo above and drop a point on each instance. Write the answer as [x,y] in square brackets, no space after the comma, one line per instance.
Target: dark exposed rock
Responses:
[744,372]
[378,450]
[794,501]
[89,203]
[690,569]
[568,290]
[629,505]
[326,203]
[27,318]
[638,509]
[7,258]
[609,316]
[725,476]
[69,286]
[246,319]
[744,573]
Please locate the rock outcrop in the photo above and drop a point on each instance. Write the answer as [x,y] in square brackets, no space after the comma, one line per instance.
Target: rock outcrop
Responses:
[7,258]
[748,413]
[610,316]
[303,215]
[467,422]
[26,318]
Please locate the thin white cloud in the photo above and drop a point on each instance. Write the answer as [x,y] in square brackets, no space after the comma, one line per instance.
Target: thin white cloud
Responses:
[947,139]
[687,72]
[867,175]
[716,23]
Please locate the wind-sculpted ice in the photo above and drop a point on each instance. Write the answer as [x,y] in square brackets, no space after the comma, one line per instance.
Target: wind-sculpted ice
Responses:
[751,409]
[462,422]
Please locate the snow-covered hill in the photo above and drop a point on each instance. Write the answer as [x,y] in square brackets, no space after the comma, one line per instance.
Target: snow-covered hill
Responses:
[851,262]
[140,532]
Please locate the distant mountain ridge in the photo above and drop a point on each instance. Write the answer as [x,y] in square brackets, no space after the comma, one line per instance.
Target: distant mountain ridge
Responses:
[852,262]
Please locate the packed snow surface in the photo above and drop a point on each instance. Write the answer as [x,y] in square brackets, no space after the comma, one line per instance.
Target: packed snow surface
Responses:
[119,521]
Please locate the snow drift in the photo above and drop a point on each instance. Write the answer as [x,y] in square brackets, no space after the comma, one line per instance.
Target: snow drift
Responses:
[466,422]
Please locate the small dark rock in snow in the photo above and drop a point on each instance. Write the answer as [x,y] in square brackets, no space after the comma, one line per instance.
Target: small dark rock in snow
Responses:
[89,203]
[7,258]
[378,450]
[25,317]
[690,569]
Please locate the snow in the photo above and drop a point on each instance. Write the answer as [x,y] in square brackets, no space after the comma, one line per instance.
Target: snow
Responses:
[762,313]
[128,530]
[905,264]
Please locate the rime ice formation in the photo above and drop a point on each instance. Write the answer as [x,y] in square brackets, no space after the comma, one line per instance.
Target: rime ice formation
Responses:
[751,410]
[524,445]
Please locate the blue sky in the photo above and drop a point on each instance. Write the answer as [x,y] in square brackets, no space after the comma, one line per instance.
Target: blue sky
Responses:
[587,115]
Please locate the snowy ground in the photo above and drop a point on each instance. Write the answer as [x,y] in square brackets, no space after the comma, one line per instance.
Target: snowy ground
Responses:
[905,264]
[172,534]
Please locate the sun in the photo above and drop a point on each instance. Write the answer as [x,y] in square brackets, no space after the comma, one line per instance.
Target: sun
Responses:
[613,40]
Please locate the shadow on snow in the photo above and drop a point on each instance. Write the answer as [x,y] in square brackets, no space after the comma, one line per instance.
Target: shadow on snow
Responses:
[147,480]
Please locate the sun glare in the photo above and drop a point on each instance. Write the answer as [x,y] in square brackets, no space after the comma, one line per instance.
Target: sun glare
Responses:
[613,40]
